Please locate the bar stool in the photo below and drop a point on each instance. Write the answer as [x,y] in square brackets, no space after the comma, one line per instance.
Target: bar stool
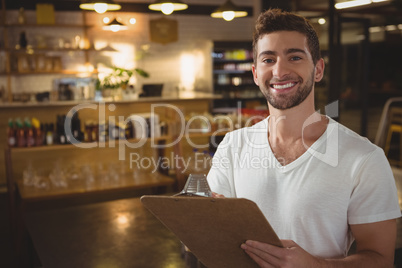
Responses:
[395,126]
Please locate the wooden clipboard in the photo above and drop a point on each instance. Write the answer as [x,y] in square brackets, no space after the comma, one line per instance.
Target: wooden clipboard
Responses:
[213,228]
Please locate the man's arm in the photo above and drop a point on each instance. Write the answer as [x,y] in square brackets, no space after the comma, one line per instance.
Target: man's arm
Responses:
[375,245]
[375,248]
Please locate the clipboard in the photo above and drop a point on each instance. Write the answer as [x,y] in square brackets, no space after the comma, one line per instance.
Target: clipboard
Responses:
[213,228]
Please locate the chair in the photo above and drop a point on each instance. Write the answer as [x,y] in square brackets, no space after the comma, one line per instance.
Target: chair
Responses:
[395,126]
[382,126]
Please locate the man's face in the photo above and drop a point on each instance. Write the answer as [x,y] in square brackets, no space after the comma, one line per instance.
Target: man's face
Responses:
[284,69]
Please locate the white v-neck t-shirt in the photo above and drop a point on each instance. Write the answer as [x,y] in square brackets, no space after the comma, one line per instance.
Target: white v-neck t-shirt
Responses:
[341,179]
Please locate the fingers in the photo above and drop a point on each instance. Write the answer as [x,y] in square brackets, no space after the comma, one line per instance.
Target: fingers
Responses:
[273,250]
[216,195]
[264,255]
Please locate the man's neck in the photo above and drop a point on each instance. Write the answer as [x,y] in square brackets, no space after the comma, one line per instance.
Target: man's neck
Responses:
[293,131]
[290,124]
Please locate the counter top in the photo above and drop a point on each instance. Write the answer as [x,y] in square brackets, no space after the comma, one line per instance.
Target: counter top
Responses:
[182,96]
[120,233]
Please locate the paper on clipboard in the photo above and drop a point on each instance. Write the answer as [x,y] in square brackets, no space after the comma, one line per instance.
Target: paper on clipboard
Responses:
[213,228]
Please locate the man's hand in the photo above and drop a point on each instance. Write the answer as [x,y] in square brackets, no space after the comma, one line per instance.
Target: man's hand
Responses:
[291,255]
[217,195]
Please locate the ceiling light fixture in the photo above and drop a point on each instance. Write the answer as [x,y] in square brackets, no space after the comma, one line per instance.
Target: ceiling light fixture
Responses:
[115,26]
[355,3]
[100,6]
[167,7]
[228,11]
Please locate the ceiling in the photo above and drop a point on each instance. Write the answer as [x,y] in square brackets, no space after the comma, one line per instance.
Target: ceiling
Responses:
[139,6]
[380,14]
[383,13]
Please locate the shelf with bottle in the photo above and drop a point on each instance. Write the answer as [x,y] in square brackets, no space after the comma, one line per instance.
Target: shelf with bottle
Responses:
[31,134]
[224,53]
[34,62]
[233,77]
[69,146]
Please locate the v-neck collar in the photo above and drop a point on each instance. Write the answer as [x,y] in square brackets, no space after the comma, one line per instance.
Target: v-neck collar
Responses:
[310,152]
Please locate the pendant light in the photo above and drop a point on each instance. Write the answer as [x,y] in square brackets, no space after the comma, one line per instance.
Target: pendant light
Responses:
[228,11]
[100,6]
[115,26]
[356,3]
[168,6]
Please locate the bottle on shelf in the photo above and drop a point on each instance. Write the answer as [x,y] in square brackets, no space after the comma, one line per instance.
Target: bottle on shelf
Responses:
[11,134]
[29,135]
[76,127]
[61,135]
[50,134]
[20,133]
[37,131]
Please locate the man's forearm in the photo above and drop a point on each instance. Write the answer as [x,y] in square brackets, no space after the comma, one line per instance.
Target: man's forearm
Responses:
[365,259]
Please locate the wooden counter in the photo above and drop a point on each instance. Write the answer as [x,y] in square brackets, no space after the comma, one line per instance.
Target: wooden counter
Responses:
[119,233]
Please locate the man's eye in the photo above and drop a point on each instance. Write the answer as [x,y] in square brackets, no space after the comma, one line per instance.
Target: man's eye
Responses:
[268,60]
[295,58]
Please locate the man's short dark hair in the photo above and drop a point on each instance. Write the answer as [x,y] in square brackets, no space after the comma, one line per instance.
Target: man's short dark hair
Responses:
[274,20]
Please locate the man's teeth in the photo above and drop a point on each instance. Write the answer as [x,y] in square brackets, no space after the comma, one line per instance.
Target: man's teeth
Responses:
[283,86]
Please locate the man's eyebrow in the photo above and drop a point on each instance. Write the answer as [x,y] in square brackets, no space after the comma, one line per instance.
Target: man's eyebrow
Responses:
[267,53]
[288,51]
[295,50]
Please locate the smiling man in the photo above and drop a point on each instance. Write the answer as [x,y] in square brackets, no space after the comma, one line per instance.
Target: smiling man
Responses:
[320,185]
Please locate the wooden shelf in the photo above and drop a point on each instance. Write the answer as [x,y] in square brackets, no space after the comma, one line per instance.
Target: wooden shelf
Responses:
[72,146]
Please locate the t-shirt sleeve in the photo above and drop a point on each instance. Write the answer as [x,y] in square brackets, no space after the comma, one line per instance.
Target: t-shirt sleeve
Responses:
[220,176]
[374,197]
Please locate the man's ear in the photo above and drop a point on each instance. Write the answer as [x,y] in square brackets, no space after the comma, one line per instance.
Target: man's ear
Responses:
[253,68]
[319,70]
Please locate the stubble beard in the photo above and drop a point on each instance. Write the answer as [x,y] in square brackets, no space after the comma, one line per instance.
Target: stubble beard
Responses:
[283,101]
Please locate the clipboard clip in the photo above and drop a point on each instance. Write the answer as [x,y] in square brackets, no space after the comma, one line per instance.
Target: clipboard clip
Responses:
[196,185]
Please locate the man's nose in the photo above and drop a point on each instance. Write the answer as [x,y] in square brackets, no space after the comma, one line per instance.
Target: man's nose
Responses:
[280,69]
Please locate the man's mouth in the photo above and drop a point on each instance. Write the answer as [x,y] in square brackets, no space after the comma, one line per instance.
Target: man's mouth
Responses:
[283,86]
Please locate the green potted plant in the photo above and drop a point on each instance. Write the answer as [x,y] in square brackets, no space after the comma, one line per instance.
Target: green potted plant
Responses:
[117,79]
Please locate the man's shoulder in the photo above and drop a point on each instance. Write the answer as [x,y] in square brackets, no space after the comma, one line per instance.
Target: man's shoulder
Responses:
[349,139]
